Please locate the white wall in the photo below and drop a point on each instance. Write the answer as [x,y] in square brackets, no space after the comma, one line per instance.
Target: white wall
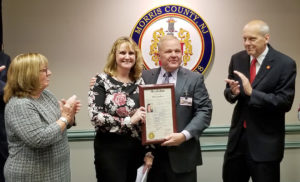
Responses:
[76,36]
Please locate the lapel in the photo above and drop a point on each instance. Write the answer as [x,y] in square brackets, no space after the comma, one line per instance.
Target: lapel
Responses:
[245,65]
[180,83]
[264,68]
[154,75]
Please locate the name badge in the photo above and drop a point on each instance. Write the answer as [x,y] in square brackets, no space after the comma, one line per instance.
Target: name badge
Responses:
[186,101]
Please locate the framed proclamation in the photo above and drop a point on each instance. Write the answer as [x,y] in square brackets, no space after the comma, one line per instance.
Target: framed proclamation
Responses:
[159,102]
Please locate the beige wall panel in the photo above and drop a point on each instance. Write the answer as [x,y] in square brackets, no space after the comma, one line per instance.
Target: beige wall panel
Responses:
[76,36]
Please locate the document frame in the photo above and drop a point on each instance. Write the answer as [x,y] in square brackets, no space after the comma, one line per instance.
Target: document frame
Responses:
[159,102]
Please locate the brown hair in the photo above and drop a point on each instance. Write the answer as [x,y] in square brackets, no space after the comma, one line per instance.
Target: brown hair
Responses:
[23,76]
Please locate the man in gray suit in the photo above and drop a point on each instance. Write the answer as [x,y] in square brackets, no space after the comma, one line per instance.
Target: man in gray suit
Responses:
[177,157]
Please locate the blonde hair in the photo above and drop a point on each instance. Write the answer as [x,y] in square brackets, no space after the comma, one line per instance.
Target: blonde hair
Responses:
[23,76]
[111,64]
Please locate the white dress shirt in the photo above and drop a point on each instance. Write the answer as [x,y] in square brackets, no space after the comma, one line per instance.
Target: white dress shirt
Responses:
[260,59]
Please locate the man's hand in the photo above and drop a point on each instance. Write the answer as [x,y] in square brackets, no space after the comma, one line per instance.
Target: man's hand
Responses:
[246,84]
[93,81]
[2,68]
[234,86]
[174,139]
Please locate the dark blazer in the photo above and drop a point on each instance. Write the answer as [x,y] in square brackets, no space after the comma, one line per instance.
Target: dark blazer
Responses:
[4,60]
[194,119]
[264,111]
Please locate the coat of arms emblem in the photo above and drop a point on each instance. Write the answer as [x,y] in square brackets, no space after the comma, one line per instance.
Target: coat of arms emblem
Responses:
[193,33]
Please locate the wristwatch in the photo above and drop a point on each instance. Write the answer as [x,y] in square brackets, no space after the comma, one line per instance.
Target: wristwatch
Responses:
[63,119]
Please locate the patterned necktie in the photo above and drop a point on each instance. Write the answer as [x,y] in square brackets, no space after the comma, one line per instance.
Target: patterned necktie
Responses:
[253,70]
[167,75]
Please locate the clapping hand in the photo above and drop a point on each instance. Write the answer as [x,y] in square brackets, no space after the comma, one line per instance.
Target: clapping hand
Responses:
[234,86]
[246,83]
[69,108]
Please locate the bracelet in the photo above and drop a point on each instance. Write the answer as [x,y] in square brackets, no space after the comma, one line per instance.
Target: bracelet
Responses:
[63,119]
[127,120]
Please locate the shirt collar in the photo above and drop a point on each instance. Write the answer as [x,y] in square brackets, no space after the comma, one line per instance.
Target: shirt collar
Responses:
[163,71]
[261,57]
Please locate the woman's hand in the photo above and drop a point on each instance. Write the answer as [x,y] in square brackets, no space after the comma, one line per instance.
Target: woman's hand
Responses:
[139,115]
[69,108]
[74,103]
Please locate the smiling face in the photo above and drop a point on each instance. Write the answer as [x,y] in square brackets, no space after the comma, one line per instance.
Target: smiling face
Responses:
[255,38]
[125,57]
[170,54]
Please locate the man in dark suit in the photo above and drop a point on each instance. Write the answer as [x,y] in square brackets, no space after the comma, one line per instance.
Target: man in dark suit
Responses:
[177,157]
[4,64]
[262,82]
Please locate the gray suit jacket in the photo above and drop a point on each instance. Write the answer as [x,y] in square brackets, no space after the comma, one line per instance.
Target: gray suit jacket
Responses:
[194,119]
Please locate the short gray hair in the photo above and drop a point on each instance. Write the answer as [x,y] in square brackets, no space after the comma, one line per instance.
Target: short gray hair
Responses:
[166,37]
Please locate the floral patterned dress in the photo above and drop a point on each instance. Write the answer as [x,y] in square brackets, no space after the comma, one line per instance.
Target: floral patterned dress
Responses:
[110,101]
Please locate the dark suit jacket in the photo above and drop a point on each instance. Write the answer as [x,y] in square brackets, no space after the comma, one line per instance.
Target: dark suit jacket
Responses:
[4,60]
[264,111]
[194,119]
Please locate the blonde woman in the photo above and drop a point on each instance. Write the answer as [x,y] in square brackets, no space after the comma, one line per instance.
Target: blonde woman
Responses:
[36,123]
[115,113]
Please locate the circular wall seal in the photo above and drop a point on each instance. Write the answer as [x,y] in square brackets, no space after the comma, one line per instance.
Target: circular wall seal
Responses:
[192,31]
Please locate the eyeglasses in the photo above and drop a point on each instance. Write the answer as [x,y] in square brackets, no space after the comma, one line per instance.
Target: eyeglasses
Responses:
[45,70]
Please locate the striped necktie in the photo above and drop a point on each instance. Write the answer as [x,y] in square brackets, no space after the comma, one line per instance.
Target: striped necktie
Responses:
[167,75]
